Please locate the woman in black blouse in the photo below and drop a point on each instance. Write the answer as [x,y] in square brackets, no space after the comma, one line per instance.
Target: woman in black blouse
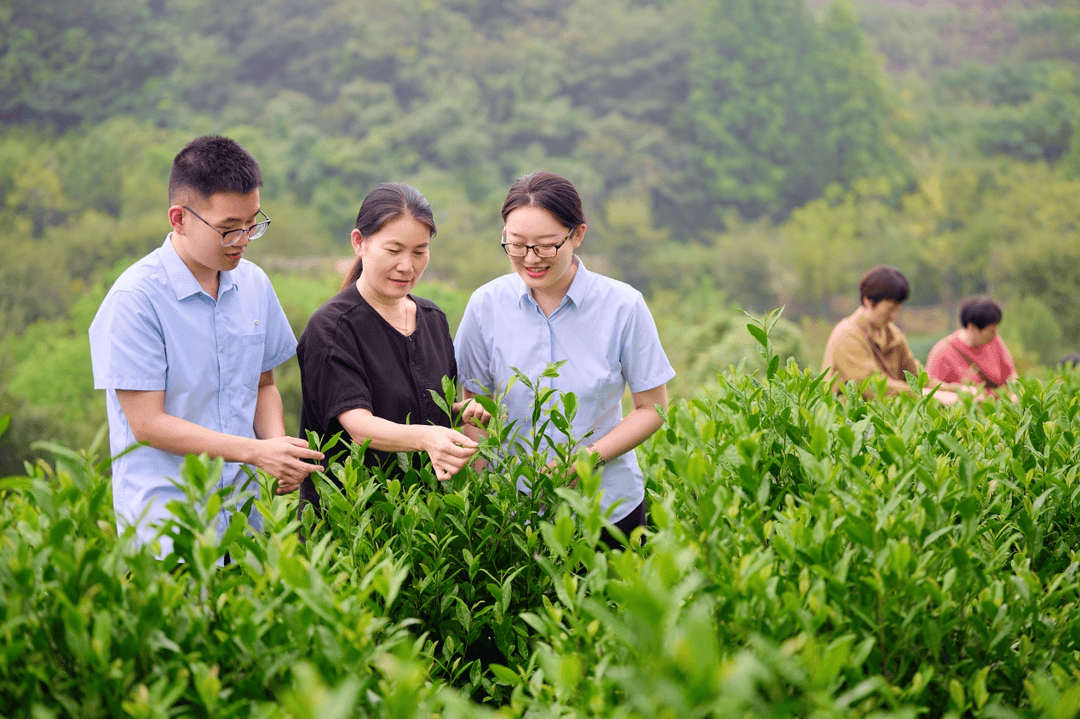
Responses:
[370,354]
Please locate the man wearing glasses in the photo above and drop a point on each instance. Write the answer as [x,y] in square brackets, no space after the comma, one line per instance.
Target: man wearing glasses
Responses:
[186,341]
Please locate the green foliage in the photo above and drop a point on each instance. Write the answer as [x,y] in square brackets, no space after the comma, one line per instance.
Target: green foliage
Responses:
[96,627]
[48,387]
[1039,330]
[1070,164]
[979,227]
[814,557]
[1038,128]
[1043,266]
[774,123]
[62,61]
[769,85]
[71,210]
[807,554]
[704,335]
[1051,30]
[468,554]
[351,93]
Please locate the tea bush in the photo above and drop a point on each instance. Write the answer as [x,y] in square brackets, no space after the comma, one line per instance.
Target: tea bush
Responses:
[808,554]
[822,556]
[467,548]
[92,626]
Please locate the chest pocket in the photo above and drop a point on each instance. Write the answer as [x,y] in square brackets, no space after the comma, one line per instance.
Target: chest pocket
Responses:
[248,362]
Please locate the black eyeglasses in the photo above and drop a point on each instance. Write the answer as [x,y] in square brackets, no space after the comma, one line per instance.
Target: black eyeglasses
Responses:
[517,250]
[230,238]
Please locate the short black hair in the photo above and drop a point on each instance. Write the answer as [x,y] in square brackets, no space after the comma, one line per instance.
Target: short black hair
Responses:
[979,311]
[212,164]
[884,283]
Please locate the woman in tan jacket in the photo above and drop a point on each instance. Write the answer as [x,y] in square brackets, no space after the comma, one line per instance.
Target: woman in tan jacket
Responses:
[867,342]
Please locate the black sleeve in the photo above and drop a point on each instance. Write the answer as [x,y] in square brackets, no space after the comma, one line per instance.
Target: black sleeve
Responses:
[333,376]
[450,347]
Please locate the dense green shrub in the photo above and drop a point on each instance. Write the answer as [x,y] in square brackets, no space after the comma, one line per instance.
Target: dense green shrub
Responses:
[819,556]
[809,554]
[1039,330]
[467,547]
[91,626]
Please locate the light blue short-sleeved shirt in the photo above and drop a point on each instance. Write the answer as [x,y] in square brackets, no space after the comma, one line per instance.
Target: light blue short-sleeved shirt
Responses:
[606,334]
[157,329]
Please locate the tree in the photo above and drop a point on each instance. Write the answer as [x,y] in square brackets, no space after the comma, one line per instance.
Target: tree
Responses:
[67,61]
[780,108]
[1038,330]
[46,384]
[1038,127]
[1050,30]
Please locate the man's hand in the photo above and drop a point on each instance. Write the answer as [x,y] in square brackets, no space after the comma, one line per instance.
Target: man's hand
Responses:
[283,458]
[472,414]
[448,449]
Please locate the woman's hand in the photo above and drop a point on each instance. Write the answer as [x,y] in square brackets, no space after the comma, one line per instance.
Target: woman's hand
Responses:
[474,418]
[947,393]
[448,449]
[946,396]
[471,413]
[571,478]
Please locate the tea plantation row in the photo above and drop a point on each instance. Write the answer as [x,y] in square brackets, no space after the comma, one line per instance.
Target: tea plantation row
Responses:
[808,555]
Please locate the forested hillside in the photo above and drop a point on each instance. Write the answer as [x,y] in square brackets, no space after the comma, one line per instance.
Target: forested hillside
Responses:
[750,153]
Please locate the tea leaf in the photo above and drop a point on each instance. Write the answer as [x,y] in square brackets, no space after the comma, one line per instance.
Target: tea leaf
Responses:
[504,675]
[758,334]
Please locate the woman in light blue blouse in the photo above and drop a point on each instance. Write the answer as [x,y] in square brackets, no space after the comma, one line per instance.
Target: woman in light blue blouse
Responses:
[550,309]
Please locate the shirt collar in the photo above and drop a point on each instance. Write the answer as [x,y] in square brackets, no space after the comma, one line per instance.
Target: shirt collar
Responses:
[580,285]
[890,337]
[575,295]
[183,282]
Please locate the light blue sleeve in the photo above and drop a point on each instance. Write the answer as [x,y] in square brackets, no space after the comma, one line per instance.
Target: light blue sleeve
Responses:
[280,340]
[127,346]
[645,364]
[472,351]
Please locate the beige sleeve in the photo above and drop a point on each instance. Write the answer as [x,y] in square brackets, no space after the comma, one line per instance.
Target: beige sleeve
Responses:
[909,363]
